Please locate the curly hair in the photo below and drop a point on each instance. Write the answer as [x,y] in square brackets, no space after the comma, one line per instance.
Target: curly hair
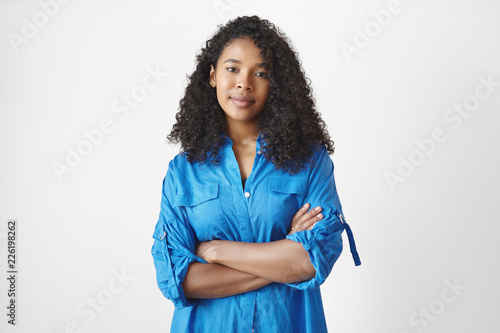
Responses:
[292,126]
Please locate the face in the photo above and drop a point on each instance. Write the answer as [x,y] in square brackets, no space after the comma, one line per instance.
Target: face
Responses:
[242,84]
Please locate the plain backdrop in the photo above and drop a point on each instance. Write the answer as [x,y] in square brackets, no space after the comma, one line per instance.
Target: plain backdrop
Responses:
[404,96]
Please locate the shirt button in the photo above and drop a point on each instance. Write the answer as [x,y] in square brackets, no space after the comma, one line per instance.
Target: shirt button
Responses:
[259,152]
[247,194]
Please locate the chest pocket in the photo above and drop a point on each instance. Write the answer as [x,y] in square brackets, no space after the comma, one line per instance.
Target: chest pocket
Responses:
[285,196]
[203,209]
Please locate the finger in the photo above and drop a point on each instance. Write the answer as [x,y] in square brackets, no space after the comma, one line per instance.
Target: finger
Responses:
[298,215]
[308,223]
[301,212]
[303,220]
[309,215]
[306,220]
[312,226]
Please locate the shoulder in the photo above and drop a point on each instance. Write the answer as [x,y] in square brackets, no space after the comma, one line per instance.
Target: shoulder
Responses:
[320,163]
[320,156]
[184,172]
[179,161]
[319,151]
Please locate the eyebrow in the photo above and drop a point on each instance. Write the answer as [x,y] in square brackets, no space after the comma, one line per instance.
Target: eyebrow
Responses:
[239,62]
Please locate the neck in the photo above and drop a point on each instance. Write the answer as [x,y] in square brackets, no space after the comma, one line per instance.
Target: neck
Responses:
[242,133]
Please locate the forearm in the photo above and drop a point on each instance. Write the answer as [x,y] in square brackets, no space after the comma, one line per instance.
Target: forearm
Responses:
[283,261]
[216,281]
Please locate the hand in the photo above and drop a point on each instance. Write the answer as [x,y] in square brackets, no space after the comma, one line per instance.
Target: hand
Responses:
[305,220]
[206,251]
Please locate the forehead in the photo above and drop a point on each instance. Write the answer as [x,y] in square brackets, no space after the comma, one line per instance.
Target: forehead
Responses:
[242,49]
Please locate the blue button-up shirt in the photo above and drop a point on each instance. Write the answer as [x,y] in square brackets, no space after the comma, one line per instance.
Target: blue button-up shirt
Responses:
[206,202]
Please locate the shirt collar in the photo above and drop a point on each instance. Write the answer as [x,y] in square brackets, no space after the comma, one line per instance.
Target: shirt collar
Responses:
[258,146]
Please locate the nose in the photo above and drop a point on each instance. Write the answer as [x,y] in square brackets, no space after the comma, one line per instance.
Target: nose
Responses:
[244,82]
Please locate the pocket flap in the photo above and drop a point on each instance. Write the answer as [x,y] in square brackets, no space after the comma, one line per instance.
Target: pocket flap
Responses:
[195,196]
[295,185]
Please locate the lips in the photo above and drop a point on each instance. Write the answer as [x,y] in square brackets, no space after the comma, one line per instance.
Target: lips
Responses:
[242,101]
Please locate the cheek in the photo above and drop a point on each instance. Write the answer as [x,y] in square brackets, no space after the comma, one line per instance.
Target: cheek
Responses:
[266,88]
[223,87]
[264,96]
[221,96]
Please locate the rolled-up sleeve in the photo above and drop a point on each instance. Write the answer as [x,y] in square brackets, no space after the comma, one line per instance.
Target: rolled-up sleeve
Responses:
[173,247]
[324,241]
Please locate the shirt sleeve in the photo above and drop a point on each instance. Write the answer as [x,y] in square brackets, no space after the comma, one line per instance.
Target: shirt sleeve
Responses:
[324,241]
[174,246]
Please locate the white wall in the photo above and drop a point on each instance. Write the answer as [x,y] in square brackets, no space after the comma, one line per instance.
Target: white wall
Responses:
[435,226]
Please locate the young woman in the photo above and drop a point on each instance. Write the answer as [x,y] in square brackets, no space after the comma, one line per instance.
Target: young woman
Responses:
[250,223]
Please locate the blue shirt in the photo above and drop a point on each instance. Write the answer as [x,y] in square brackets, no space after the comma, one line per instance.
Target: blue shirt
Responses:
[206,202]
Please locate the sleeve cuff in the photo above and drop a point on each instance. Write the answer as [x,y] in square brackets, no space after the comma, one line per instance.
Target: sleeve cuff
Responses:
[324,246]
[169,276]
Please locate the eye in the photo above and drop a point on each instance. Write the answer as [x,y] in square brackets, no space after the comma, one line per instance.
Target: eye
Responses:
[231,69]
[263,74]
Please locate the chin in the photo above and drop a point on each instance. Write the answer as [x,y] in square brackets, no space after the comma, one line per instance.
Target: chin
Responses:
[239,118]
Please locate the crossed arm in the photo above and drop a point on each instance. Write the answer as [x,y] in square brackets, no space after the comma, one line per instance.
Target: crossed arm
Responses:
[238,267]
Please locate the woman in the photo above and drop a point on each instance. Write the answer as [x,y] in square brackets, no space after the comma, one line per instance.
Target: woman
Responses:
[250,223]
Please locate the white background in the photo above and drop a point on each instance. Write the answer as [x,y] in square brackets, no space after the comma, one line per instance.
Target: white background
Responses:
[437,225]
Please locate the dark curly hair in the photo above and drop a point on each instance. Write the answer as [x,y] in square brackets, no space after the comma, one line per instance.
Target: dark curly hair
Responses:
[289,120]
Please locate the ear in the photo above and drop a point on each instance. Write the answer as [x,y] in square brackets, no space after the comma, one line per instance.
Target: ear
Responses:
[212,76]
